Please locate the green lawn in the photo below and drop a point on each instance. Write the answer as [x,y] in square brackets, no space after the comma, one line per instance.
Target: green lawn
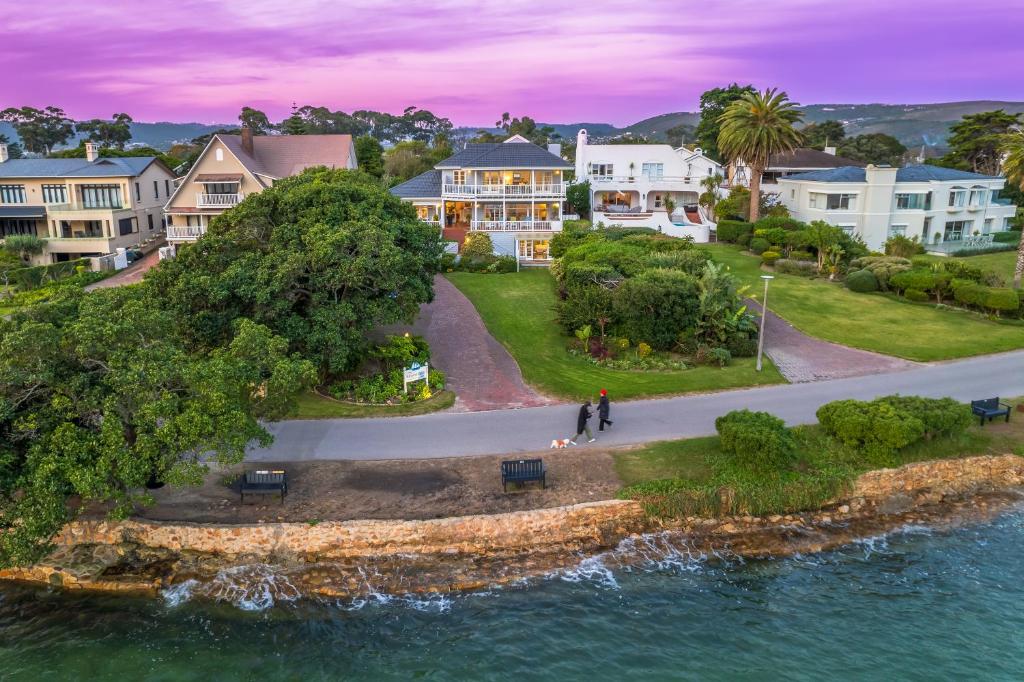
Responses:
[518,309]
[1002,262]
[875,322]
[313,406]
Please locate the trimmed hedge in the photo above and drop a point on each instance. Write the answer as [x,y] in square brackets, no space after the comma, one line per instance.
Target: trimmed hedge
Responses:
[916,295]
[730,230]
[801,255]
[1001,300]
[759,245]
[803,268]
[756,440]
[862,281]
[769,257]
[1008,237]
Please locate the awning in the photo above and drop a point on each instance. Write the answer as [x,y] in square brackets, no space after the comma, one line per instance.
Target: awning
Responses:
[214,177]
[22,211]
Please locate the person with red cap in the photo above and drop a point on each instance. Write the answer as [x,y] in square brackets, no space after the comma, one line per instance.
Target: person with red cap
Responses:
[603,410]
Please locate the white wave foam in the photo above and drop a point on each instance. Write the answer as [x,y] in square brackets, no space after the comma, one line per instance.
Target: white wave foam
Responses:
[175,595]
[591,569]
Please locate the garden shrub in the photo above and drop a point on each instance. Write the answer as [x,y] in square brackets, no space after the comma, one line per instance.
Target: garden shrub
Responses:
[775,236]
[478,246]
[801,255]
[617,233]
[916,295]
[627,259]
[755,440]
[940,416]
[730,230]
[904,247]
[788,266]
[883,267]
[582,306]
[566,239]
[759,245]
[447,262]
[744,239]
[503,265]
[922,280]
[875,429]
[581,274]
[784,223]
[862,281]
[37,275]
[968,292]
[1001,300]
[769,257]
[1007,237]
[655,305]
[961,270]
[690,260]
[741,346]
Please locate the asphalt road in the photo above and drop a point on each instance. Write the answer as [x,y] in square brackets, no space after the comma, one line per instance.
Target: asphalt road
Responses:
[531,429]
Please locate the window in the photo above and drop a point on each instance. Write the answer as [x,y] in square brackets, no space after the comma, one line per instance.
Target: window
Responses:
[910,202]
[93,228]
[101,196]
[55,194]
[602,170]
[848,228]
[219,154]
[12,194]
[898,230]
[149,219]
[978,196]
[653,171]
[127,226]
[167,188]
[957,197]
[658,202]
[956,229]
[459,177]
[138,192]
[156,189]
[987,227]
[840,202]
[816,200]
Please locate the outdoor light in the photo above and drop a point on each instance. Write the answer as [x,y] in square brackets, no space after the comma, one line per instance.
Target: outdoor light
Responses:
[764,313]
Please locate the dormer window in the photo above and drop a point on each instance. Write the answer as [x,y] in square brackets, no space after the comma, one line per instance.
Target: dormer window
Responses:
[219,154]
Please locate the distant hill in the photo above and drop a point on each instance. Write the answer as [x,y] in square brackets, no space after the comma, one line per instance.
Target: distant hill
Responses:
[157,135]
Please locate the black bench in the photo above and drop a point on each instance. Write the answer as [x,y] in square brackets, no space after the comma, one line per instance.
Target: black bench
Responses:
[990,408]
[523,471]
[265,483]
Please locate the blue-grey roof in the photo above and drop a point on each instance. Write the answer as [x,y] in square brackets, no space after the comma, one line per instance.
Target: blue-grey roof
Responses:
[503,155]
[923,173]
[75,168]
[423,186]
[22,211]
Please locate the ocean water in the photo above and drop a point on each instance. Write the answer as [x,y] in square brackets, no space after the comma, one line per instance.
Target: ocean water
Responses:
[915,604]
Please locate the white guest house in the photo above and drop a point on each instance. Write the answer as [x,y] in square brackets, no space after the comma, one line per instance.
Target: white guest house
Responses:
[512,190]
[646,185]
[945,209]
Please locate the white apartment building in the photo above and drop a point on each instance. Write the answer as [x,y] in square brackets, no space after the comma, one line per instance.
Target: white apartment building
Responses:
[513,190]
[945,209]
[635,185]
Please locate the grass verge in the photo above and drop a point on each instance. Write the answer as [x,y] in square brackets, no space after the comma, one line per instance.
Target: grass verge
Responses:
[314,406]
[518,310]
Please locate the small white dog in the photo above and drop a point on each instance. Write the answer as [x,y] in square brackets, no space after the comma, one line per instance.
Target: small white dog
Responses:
[559,443]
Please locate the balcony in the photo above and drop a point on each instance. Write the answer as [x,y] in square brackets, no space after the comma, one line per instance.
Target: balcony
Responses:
[656,181]
[515,225]
[217,200]
[185,233]
[496,191]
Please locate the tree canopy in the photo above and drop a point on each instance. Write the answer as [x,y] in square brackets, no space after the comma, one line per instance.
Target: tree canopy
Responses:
[876,148]
[255,120]
[525,126]
[976,142]
[825,134]
[408,159]
[370,155]
[713,104]
[170,160]
[115,133]
[40,130]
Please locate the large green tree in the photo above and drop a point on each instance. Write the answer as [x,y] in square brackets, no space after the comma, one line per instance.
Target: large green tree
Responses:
[754,128]
[713,104]
[876,148]
[99,394]
[40,130]
[1013,166]
[170,160]
[825,134]
[255,120]
[321,258]
[370,155]
[976,142]
[408,159]
[114,133]
[525,126]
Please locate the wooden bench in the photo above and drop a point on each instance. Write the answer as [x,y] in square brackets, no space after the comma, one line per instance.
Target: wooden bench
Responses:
[990,408]
[523,471]
[265,482]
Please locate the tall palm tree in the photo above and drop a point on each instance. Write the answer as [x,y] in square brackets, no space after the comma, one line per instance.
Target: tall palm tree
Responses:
[1013,167]
[754,128]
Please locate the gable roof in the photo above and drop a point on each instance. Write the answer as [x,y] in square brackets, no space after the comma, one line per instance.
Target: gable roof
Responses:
[126,166]
[922,173]
[280,156]
[804,157]
[423,186]
[508,154]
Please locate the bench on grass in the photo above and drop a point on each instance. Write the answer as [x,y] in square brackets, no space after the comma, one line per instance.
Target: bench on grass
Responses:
[990,408]
[265,482]
[523,471]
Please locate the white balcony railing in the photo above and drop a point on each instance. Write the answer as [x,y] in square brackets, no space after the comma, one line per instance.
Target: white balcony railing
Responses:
[217,200]
[512,225]
[547,189]
[185,232]
[649,179]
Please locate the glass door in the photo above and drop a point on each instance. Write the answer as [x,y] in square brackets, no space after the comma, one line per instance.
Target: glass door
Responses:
[526,249]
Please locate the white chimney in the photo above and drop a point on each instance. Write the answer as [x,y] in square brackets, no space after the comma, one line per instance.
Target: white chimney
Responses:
[556,149]
[91,152]
[3,153]
[830,150]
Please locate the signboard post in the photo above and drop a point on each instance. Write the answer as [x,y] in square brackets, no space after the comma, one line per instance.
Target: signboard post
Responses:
[415,373]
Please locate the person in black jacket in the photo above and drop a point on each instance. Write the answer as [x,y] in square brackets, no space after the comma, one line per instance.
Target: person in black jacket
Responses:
[581,423]
[603,410]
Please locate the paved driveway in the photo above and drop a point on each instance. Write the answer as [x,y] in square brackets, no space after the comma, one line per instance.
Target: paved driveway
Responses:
[131,274]
[515,431]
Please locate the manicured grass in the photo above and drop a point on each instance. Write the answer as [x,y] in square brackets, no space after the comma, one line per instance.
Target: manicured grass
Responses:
[518,309]
[686,477]
[874,322]
[1002,262]
[313,406]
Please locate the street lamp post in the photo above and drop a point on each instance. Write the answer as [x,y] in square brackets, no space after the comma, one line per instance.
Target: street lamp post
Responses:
[764,313]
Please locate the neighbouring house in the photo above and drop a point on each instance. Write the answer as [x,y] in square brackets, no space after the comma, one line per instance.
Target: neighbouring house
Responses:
[800,160]
[636,185]
[232,167]
[945,209]
[512,190]
[83,207]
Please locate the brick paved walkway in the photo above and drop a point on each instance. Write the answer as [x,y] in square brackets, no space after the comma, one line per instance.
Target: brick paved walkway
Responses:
[479,369]
[130,275]
[802,358]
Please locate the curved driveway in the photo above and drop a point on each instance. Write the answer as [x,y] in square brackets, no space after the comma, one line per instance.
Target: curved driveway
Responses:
[450,434]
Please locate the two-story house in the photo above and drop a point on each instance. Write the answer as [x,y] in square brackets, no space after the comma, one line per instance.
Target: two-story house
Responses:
[944,209]
[785,164]
[232,167]
[83,207]
[646,185]
[513,190]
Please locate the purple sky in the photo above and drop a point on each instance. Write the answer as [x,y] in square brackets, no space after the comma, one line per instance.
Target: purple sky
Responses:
[557,61]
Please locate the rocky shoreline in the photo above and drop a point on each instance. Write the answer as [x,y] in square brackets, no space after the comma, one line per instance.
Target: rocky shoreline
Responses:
[355,559]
